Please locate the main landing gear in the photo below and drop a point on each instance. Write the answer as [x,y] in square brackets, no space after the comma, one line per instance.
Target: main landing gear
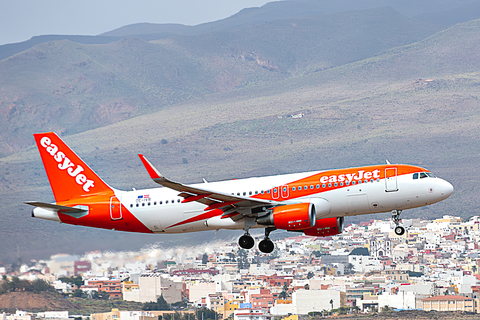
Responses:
[399,230]
[246,241]
[266,245]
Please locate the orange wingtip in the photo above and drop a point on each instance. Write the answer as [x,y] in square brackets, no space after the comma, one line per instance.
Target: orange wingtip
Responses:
[154,174]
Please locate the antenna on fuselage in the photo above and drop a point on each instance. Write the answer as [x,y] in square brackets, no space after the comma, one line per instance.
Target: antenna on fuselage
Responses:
[388,162]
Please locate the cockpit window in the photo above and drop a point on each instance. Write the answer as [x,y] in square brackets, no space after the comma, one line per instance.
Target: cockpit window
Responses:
[422,175]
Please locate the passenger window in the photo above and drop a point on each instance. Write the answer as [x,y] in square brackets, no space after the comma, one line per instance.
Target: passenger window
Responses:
[305,188]
[318,186]
[311,187]
[293,188]
[131,205]
[166,202]
[415,175]
[250,193]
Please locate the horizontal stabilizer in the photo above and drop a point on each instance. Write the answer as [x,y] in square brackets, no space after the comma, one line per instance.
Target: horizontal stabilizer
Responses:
[76,212]
[55,207]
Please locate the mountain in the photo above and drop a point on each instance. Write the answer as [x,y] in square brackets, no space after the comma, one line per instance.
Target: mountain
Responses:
[74,87]
[429,10]
[372,85]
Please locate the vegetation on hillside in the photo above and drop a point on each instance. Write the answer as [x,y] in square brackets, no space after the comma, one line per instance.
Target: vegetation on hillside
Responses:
[16,284]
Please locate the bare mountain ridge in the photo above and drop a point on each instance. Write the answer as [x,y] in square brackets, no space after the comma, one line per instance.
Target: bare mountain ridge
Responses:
[74,87]
[429,11]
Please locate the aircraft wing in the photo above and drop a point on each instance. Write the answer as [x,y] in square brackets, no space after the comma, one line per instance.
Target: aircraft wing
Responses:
[213,199]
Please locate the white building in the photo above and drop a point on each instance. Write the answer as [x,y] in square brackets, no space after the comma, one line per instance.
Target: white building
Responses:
[53,315]
[364,264]
[152,286]
[403,300]
[306,301]
[201,289]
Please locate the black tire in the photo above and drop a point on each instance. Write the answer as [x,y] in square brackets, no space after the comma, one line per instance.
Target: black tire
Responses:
[399,231]
[266,246]
[246,242]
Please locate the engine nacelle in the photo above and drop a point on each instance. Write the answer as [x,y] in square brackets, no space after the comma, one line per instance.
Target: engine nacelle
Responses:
[326,227]
[290,217]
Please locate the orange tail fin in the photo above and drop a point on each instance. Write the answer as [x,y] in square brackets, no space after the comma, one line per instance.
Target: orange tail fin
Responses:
[69,176]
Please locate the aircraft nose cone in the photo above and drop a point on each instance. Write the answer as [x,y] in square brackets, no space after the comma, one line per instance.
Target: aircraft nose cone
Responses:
[446,189]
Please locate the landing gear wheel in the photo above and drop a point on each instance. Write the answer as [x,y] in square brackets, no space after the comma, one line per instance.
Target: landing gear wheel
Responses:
[399,230]
[266,246]
[246,241]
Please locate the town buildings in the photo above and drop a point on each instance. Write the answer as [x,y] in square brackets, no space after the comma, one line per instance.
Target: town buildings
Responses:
[434,266]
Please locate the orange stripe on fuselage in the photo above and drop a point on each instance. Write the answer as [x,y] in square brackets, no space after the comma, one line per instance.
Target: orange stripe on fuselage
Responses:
[336,179]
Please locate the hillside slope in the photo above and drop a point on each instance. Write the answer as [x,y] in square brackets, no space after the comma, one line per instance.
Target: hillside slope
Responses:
[70,87]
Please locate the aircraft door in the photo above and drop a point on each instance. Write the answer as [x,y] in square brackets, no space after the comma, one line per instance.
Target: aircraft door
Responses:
[391,180]
[275,192]
[115,208]
[285,191]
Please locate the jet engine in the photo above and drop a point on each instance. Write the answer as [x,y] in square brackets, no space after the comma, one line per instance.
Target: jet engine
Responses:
[297,216]
[326,227]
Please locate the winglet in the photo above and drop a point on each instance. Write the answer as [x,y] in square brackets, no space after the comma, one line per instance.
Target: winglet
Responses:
[152,171]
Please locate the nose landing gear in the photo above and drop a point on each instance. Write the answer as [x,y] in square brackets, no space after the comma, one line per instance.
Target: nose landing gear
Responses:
[399,230]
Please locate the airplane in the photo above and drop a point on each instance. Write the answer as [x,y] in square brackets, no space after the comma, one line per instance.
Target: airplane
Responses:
[314,203]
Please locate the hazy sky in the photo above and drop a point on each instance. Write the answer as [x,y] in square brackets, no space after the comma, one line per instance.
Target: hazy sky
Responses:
[22,19]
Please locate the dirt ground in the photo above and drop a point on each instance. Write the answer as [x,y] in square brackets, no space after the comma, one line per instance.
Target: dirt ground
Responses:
[29,301]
